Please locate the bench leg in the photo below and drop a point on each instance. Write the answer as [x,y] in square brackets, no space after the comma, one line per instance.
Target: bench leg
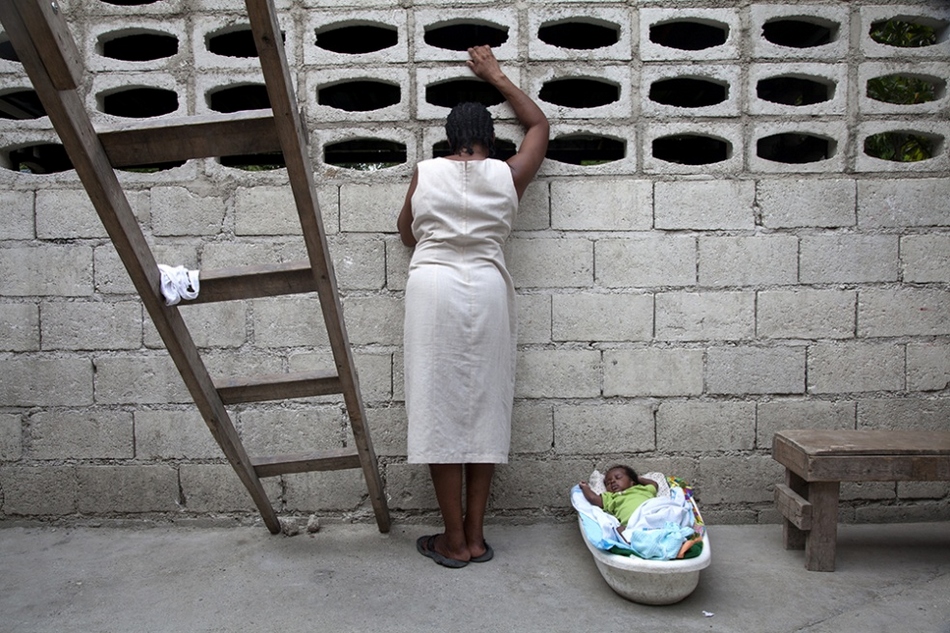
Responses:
[792,537]
[821,540]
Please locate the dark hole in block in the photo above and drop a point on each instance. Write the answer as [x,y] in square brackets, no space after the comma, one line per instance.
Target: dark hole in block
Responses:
[356,39]
[906,89]
[239,98]
[689,35]
[151,168]
[461,37]
[255,162]
[908,32]
[21,104]
[448,94]
[902,146]
[579,34]
[138,47]
[42,158]
[800,33]
[358,96]
[140,103]
[687,92]
[130,3]
[365,154]
[504,149]
[794,91]
[586,149]
[794,148]
[234,43]
[691,149]
[6,49]
[579,92]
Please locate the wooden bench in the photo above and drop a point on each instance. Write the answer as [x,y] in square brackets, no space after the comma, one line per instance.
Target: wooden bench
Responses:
[816,462]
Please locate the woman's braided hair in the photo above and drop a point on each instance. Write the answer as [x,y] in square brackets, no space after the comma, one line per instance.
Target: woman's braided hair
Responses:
[470,123]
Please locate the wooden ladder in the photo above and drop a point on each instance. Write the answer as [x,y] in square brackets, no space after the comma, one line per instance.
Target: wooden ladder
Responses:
[42,41]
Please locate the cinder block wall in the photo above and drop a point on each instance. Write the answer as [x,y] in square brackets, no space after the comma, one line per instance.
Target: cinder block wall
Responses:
[672,315]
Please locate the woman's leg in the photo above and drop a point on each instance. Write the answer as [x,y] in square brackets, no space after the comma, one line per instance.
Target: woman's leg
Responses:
[447,481]
[477,489]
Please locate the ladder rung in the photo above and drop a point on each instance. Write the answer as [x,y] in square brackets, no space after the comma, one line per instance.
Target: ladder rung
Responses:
[166,140]
[278,387]
[254,282]
[334,459]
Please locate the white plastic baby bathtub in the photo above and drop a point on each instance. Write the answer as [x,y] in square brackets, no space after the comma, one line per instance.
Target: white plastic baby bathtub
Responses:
[650,581]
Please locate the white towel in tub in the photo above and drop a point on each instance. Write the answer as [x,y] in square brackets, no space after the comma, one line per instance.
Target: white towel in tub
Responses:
[658,528]
[600,528]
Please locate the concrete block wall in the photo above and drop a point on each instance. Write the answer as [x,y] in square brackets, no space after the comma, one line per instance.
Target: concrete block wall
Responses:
[672,315]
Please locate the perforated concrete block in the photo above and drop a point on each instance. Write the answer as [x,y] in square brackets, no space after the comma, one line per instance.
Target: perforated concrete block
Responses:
[427,19]
[785,202]
[925,258]
[934,72]
[602,317]
[322,79]
[704,204]
[619,77]
[828,155]
[835,17]
[755,370]
[934,133]
[428,77]
[833,76]
[131,11]
[699,316]
[727,76]
[855,367]
[206,26]
[904,312]
[646,261]
[846,258]
[618,20]
[654,372]
[100,34]
[105,84]
[372,172]
[748,260]
[323,20]
[598,429]
[599,162]
[805,313]
[602,205]
[730,134]
[933,15]
[215,81]
[727,19]
[897,202]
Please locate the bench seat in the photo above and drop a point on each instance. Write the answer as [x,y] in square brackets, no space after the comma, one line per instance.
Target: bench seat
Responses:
[817,461]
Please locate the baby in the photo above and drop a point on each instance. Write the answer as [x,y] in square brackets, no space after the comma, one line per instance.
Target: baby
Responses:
[625,492]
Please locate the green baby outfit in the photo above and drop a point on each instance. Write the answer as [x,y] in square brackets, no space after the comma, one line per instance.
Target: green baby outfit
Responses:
[624,503]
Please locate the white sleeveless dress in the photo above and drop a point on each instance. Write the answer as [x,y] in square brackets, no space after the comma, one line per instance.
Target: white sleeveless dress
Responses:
[460,324]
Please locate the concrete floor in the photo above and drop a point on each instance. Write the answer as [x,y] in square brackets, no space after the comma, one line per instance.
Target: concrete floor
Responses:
[352,578]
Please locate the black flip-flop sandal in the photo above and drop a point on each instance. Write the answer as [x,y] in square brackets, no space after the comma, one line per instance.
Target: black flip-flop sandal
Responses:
[426,546]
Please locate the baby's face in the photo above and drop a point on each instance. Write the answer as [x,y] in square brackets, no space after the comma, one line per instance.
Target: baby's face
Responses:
[617,480]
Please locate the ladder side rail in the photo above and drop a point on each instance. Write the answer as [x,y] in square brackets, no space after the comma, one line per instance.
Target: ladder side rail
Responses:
[68,116]
[293,139]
